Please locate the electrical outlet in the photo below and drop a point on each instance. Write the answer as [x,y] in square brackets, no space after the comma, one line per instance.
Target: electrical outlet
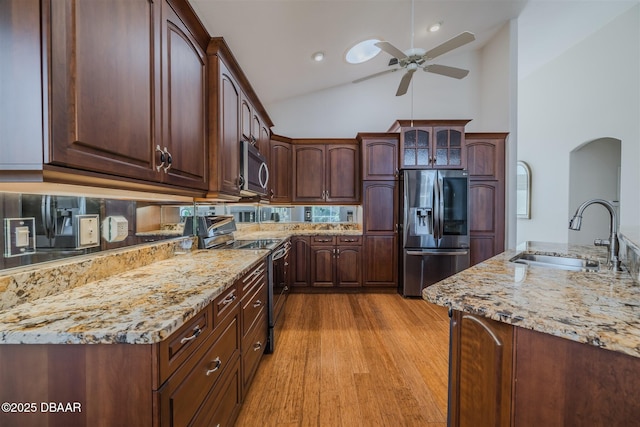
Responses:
[19,236]
[88,232]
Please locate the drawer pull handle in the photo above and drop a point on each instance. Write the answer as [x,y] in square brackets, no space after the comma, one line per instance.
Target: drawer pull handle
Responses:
[258,303]
[323,240]
[257,346]
[196,331]
[216,367]
[349,240]
[228,300]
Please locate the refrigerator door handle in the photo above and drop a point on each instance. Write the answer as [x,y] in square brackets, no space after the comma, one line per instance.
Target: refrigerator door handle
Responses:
[454,252]
[440,208]
[436,210]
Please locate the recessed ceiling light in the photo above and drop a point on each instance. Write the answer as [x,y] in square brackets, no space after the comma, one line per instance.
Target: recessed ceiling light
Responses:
[318,56]
[362,52]
[435,27]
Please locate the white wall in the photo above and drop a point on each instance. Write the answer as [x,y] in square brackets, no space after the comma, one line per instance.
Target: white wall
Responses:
[370,106]
[593,173]
[591,91]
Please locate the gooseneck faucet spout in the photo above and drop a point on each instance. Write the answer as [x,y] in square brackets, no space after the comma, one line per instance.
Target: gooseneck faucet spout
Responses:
[612,243]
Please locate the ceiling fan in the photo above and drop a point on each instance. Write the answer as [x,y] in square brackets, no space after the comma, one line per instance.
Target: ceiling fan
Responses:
[416,58]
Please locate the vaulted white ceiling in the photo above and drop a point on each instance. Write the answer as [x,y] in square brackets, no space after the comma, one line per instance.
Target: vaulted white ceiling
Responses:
[273,40]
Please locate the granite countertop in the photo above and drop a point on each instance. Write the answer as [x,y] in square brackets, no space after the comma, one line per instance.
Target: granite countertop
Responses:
[598,308]
[140,306]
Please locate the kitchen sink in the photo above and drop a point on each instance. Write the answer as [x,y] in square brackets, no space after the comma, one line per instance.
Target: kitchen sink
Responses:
[556,261]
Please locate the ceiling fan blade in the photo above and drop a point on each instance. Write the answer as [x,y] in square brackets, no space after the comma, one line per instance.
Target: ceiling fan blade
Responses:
[459,40]
[391,50]
[404,83]
[361,79]
[445,70]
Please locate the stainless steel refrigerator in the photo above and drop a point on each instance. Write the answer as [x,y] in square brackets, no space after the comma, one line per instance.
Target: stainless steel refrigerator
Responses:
[435,227]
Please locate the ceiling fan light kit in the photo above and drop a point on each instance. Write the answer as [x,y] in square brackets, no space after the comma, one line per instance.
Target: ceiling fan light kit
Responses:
[415,58]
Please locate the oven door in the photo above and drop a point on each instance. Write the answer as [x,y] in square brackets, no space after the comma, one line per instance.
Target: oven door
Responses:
[279,289]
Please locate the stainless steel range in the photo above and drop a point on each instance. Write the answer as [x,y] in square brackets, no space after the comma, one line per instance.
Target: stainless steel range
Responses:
[216,232]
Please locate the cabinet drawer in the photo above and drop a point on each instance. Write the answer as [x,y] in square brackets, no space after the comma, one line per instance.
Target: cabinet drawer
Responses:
[252,307]
[350,240]
[184,342]
[185,391]
[252,279]
[223,404]
[323,240]
[252,350]
[224,304]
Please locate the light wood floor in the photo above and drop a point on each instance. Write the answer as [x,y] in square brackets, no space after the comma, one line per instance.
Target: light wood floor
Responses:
[353,360]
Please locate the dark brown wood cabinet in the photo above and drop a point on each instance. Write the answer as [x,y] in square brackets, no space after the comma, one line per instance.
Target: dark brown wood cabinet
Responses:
[480,371]
[380,226]
[300,260]
[380,204]
[124,93]
[184,109]
[503,375]
[326,172]
[336,261]
[486,166]
[380,156]
[280,164]
[224,107]
[232,108]
[431,143]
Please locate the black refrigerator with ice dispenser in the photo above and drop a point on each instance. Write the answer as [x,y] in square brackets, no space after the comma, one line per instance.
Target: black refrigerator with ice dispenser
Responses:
[435,227]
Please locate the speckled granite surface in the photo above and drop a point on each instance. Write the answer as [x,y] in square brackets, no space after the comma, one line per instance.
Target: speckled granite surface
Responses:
[598,308]
[25,284]
[134,295]
[140,306]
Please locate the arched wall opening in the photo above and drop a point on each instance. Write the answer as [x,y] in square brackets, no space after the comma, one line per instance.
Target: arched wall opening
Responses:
[594,173]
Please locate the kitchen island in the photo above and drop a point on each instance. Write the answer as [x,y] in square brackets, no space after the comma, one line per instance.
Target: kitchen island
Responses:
[535,346]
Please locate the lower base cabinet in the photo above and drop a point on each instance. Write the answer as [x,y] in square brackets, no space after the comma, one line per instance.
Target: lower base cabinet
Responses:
[196,376]
[502,375]
[336,261]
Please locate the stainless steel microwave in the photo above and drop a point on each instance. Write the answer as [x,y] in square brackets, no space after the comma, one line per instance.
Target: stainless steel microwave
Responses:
[254,172]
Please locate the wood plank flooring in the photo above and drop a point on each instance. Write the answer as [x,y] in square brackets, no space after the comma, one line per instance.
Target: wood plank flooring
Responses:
[354,360]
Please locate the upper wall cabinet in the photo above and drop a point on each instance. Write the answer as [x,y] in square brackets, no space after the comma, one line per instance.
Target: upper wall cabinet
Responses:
[280,170]
[426,144]
[235,114]
[123,88]
[326,172]
[379,156]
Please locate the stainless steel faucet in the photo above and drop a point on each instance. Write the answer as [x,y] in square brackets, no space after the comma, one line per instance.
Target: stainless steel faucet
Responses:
[612,243]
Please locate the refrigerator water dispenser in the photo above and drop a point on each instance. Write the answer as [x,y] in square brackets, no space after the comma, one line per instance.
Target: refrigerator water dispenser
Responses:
[422,221]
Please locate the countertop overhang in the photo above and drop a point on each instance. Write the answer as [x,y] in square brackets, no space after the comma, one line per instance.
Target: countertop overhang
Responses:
[597,308]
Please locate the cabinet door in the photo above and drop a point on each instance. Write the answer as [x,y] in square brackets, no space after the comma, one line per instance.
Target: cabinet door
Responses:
[301,261]
[246,115]
[105,86]
[349,266]
[229,148]
[415,147]
[280,172]
[379,157]
[309,173]
[380,261]
[486,221]
[481,370]
[184,104]
[380,207]
[342,174]
[485,156]
[322,266]
[448,151]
